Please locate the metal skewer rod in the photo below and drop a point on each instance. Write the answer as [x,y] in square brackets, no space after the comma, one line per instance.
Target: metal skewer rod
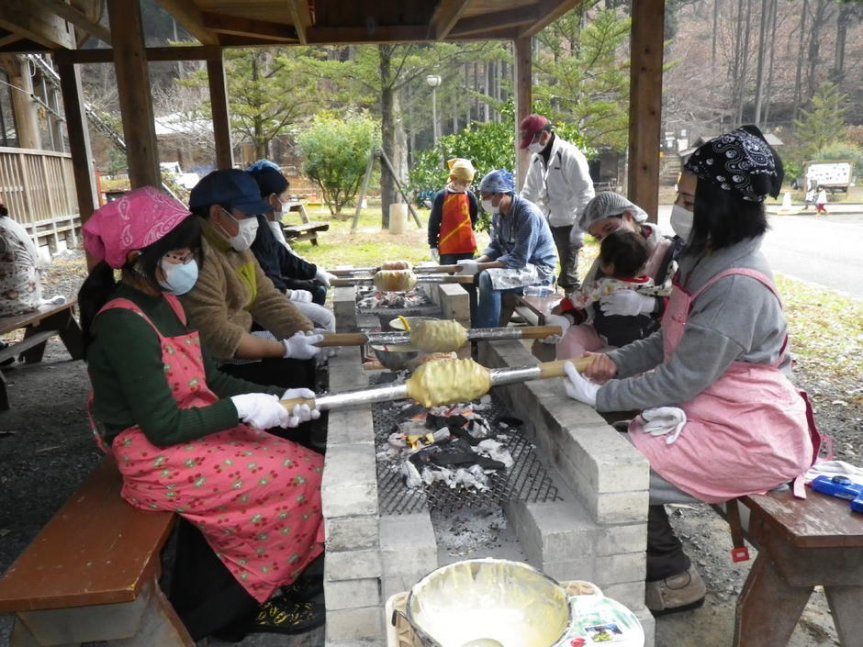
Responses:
[417,269]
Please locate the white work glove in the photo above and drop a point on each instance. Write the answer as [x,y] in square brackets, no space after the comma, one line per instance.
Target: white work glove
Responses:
[260,410]
[627,303]
[300,296]
[556,320]
[301,412]
[468,266]
[435,255]
[322,276]
[301,345]
[579,387]
[664,421]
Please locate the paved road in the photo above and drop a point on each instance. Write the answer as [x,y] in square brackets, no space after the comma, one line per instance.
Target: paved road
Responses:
[825,251]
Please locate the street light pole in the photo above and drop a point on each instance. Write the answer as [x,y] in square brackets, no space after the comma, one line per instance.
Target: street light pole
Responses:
[434,80]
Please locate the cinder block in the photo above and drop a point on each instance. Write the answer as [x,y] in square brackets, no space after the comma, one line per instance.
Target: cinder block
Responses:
[602,571]
[352,565]
[352,626]
[629,594]
[348,533]
[345,308]
[346,370]
[390,585]
[453,301]
[349,485]
[622,507]
[408,546]
[347,594]
[350,427]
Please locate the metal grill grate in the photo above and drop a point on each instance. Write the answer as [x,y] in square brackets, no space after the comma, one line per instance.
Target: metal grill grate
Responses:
[525,480]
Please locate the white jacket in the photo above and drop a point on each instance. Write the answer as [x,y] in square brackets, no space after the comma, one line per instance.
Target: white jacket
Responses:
[564,188]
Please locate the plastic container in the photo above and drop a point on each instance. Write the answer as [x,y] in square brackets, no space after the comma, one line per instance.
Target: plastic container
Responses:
[541,291]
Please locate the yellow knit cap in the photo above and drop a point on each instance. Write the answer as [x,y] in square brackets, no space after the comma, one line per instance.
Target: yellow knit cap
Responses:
[461,169]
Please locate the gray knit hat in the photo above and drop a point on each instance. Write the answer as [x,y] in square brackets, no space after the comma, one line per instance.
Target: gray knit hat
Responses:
[608,204]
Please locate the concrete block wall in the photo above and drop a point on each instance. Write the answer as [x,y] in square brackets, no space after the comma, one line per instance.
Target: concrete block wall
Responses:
[599,532]
[352,566]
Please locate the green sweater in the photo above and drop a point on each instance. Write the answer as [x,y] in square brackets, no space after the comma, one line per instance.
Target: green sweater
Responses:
[125,365]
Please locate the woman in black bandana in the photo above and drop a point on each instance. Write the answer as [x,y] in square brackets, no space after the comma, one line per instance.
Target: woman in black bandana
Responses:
[719,419]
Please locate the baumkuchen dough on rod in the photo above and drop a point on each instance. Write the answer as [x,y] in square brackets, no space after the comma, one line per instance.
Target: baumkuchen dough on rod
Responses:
[400,280]
[445,381]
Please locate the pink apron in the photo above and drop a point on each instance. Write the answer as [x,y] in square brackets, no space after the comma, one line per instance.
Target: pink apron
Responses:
[747,433]
[254,496]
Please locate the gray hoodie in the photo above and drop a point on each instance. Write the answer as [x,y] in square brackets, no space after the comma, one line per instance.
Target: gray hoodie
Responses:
[736,320]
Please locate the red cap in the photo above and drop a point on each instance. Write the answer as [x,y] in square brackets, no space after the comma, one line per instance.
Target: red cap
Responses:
[530,127]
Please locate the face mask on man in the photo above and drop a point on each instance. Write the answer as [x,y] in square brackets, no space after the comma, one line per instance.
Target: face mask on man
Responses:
[681,221]
[535,147]
[179,277]
[246,236]
[488,207]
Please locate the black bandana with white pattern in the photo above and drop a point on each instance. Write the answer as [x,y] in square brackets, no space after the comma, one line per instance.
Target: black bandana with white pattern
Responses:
[739,161]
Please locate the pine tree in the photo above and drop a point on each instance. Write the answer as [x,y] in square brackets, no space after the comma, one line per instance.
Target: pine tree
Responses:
[823,123]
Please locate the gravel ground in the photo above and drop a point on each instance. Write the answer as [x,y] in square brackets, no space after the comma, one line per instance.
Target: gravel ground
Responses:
[46,451]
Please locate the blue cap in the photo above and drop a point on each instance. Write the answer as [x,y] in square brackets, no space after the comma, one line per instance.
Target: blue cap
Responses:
[230,187]
[500,181]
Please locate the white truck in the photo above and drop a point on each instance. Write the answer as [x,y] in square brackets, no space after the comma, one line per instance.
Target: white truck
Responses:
[833,176]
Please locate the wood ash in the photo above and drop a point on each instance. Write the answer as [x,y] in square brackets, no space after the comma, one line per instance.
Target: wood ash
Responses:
[372,300]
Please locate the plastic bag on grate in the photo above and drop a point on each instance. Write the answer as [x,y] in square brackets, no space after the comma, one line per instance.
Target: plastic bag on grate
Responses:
[457,452]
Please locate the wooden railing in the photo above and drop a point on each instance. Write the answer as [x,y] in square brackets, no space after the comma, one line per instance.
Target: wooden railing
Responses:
[38,188]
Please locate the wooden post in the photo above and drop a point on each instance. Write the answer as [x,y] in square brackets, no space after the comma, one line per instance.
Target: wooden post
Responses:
[133,86]
[79,139]
[221,117]
[645,104]
[23,104]
[523,101]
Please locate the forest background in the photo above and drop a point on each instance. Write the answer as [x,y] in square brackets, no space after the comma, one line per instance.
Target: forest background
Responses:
[792,67]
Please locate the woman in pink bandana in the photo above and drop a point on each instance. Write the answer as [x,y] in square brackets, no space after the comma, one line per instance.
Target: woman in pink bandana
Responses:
[190,439]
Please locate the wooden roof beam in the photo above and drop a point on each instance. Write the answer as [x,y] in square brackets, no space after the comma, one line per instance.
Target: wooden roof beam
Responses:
[248,28]
[301,16]
[72,15]
[445,16]
[36,24]
[189,16]
[549,11]
[511,18]
[379,34]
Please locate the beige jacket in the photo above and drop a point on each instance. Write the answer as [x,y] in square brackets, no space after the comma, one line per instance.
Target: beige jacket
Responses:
[231,292]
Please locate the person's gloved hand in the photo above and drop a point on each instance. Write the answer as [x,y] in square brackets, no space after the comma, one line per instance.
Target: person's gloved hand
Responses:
[322,276]
[301,345]
[627,303]
[556,320]
[578,387]
[468,266]
[260,410]
[435,255]
[300,296]
[301,412]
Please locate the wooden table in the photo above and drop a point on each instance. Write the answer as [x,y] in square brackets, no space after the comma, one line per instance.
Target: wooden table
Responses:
[306,230]
[802,544]
[535,309]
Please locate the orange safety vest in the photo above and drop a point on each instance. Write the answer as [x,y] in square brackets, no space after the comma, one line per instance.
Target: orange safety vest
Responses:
[456,231]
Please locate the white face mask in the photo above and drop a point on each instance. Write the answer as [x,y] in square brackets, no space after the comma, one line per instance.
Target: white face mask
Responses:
[179,277]
[246,236]
[681,221]
[535,147]
[488,207]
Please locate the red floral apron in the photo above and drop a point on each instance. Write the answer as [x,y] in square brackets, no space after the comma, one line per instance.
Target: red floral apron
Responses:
[254,496]
[747,433]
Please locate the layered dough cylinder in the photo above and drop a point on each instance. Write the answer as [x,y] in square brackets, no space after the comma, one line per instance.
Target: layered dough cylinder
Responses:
[438,336]
[400,280]
[448,381]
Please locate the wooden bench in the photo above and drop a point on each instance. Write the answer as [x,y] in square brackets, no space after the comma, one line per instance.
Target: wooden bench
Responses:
[306,230]
[534,310]
[39,326]
[802,543]
[92,574]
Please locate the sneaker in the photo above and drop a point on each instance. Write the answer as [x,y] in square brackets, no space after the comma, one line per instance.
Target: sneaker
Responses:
[676,593]
[283,616]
